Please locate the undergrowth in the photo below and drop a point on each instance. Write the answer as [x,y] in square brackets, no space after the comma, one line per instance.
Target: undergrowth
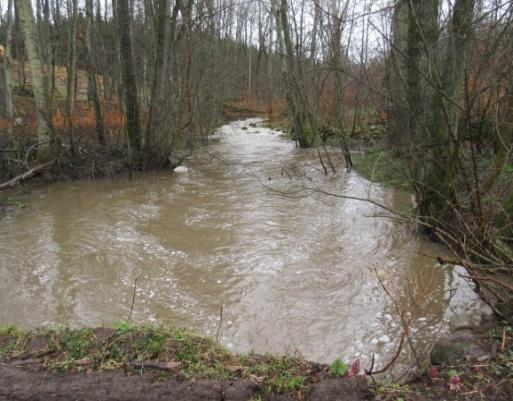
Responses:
[379,164]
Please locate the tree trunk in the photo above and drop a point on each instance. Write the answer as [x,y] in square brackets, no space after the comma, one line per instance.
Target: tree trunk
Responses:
[435,84]
[422,39]
[39,79]
[71,68]
[129,83]
[442,145]
[6,67]
[159,74]
[294,100]
[91,75]
[396,77]
[186,11]
[338,17]
[313,43]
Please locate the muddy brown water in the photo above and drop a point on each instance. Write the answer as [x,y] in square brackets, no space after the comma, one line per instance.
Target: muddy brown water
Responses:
[293,274]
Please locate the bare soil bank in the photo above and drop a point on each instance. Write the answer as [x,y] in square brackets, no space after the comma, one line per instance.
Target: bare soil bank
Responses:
[35,384]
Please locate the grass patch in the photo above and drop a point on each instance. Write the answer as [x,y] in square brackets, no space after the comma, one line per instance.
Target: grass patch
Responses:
[380,165]
[154,349]
[11,340]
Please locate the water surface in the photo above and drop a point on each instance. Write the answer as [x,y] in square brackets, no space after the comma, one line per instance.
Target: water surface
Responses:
[293,275]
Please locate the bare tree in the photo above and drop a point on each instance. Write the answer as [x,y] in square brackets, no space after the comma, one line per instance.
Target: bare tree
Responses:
[129,82]
[38,72]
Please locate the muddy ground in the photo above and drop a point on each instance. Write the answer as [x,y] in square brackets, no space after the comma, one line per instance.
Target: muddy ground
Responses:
[17,383]
[153,363]
[127,363]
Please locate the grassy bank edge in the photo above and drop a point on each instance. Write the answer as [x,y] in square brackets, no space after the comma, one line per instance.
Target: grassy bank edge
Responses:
[171,353]
[372,157]
[165,352]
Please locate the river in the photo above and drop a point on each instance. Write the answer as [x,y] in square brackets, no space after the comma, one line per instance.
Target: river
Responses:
[294,274]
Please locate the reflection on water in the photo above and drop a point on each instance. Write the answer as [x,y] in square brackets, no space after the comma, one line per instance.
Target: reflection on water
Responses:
[292,274]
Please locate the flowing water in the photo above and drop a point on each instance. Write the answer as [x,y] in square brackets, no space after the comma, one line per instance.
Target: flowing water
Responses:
[293,273]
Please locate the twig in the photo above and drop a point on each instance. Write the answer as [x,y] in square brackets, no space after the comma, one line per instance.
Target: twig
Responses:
[392,361]
[306,191]
[133,300]
[218,334]
[322,162]
[368,372]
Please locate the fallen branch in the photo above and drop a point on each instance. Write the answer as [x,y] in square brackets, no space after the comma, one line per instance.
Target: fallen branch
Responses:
[172,366]
[27,174]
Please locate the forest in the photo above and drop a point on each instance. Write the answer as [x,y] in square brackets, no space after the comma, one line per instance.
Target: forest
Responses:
[412,97]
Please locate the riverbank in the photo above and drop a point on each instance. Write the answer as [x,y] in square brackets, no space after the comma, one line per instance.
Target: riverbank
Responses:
[163,217]
[371,156]
[473,363]
[75,153]
[152,363]
[128,363]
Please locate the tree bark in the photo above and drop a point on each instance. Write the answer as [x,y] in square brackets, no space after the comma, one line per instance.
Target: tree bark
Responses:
[129,83]
[91,75]
[286,49]
[71,68]
[441,141]
[6,67]
[39,79]
[159,74]
[186,11]
[396,77]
